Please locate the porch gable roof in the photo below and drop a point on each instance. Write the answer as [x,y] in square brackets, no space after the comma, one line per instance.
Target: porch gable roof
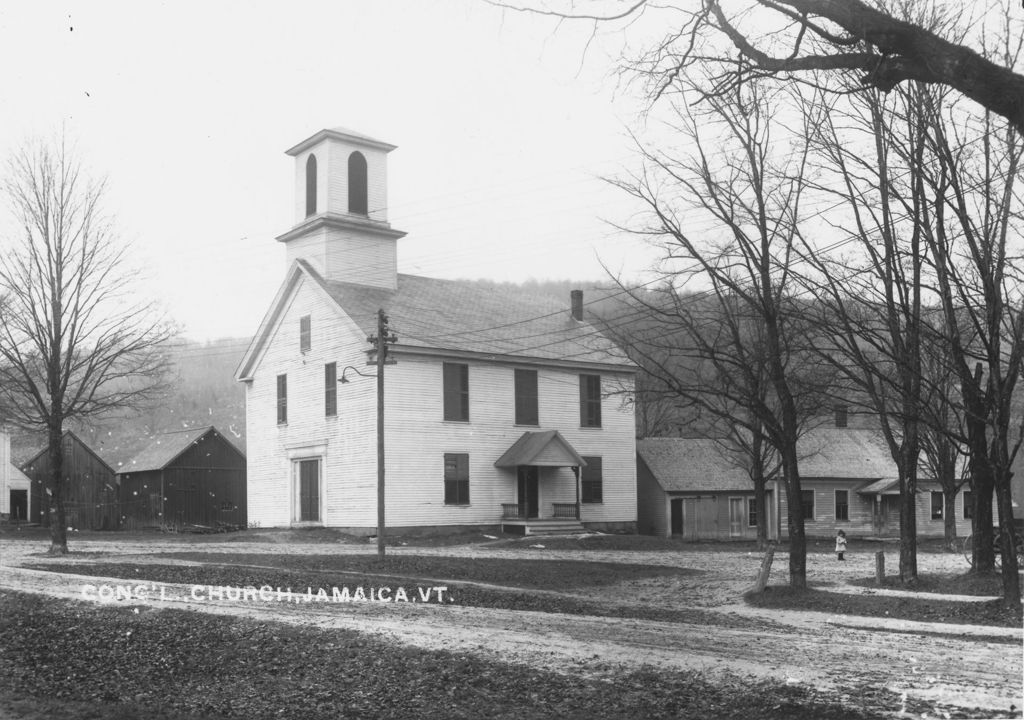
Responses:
[546,449]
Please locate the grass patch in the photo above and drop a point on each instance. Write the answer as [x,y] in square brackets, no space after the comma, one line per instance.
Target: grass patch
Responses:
[886,606]
[525,573]
[66,659]
[976,584]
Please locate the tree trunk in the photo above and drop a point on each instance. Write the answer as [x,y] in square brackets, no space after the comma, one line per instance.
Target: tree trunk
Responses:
[908,505]
[761,506]
[58,516]
[1007,532]
[797,537]
[983,552]
[949,519]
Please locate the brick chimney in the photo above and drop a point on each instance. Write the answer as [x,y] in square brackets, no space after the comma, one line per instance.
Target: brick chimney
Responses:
[576,304]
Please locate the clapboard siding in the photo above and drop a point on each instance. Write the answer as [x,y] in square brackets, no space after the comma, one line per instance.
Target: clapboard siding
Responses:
[864,513]
[653,508]
[344,443]
[417,438]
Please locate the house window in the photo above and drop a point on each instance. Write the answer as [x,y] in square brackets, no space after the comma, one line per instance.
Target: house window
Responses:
[592,481]
[305,333]
[331,389]
[842,504]
[807,500]
[936,506]
[311,185]
[590,400]
[526,397]
[282,399]
[358,202]
[751,512]
[842,416]
[456,392]
[456,479]
[968,504]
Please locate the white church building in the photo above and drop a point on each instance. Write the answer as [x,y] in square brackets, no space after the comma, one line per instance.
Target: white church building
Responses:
[502,407]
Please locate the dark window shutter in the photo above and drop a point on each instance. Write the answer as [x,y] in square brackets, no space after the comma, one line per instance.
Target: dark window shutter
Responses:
[331,389]
[456,391]
[526,397]
[282,399]
[305,333]
[590,400]
[592,480]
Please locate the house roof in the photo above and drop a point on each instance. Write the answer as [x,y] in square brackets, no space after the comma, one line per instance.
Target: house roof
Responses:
[547,448]
[885,486]
[457,317]
[165,448]
[693,464]
[698,464]
[844,453]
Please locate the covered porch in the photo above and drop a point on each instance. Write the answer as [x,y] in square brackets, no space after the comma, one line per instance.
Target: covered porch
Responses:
[885,512]
[546,496]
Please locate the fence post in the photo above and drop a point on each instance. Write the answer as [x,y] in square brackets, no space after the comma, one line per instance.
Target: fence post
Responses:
[766,569]
[880,567]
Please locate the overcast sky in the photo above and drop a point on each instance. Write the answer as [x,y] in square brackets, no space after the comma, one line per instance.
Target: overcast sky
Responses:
[503,126]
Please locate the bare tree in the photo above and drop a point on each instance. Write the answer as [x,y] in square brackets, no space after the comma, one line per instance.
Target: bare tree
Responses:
[73,342]
[751,194]
[838,36]
[870,297]
[976,249]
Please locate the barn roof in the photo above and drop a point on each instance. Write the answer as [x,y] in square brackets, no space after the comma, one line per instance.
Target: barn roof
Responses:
[693,464]
[165,449]
[64,438]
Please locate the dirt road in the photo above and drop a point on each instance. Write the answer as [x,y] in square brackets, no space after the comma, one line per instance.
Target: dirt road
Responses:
[965,667]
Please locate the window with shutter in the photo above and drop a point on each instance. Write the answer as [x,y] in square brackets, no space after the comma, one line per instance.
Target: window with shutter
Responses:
[592,481]
[526,397]
[590,400]
[456,391]
[456,479]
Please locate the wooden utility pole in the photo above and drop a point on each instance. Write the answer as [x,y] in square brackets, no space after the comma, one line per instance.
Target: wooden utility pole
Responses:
[381,341]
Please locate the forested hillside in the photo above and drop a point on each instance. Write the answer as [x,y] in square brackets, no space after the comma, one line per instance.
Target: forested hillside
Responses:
[202,391]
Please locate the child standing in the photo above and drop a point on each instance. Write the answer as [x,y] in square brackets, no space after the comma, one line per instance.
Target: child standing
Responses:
[840,544]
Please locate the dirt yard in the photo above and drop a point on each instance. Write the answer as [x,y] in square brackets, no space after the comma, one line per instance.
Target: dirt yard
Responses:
[960,670]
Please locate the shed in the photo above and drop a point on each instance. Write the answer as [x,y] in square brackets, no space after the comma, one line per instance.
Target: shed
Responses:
[90,487]
[189,477]
[695,489]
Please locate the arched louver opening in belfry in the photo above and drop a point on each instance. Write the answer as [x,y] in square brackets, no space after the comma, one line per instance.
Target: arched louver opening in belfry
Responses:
[357,195]
[311,185]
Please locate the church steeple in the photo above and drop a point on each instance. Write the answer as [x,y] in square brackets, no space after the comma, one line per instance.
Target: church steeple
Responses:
[341,226]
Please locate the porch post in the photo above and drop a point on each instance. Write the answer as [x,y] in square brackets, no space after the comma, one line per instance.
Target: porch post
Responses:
[576,472]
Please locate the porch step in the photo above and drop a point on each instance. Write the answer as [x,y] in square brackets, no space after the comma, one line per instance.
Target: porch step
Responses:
[543,527]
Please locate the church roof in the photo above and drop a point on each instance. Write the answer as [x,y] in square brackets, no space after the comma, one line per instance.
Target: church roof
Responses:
[471,317]
[340,133]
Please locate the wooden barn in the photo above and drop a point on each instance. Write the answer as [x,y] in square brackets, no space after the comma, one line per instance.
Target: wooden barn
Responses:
[90,487]
[193,477]
[694,489]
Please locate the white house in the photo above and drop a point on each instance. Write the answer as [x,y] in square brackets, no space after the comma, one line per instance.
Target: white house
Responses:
[502,407]
[14,484]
